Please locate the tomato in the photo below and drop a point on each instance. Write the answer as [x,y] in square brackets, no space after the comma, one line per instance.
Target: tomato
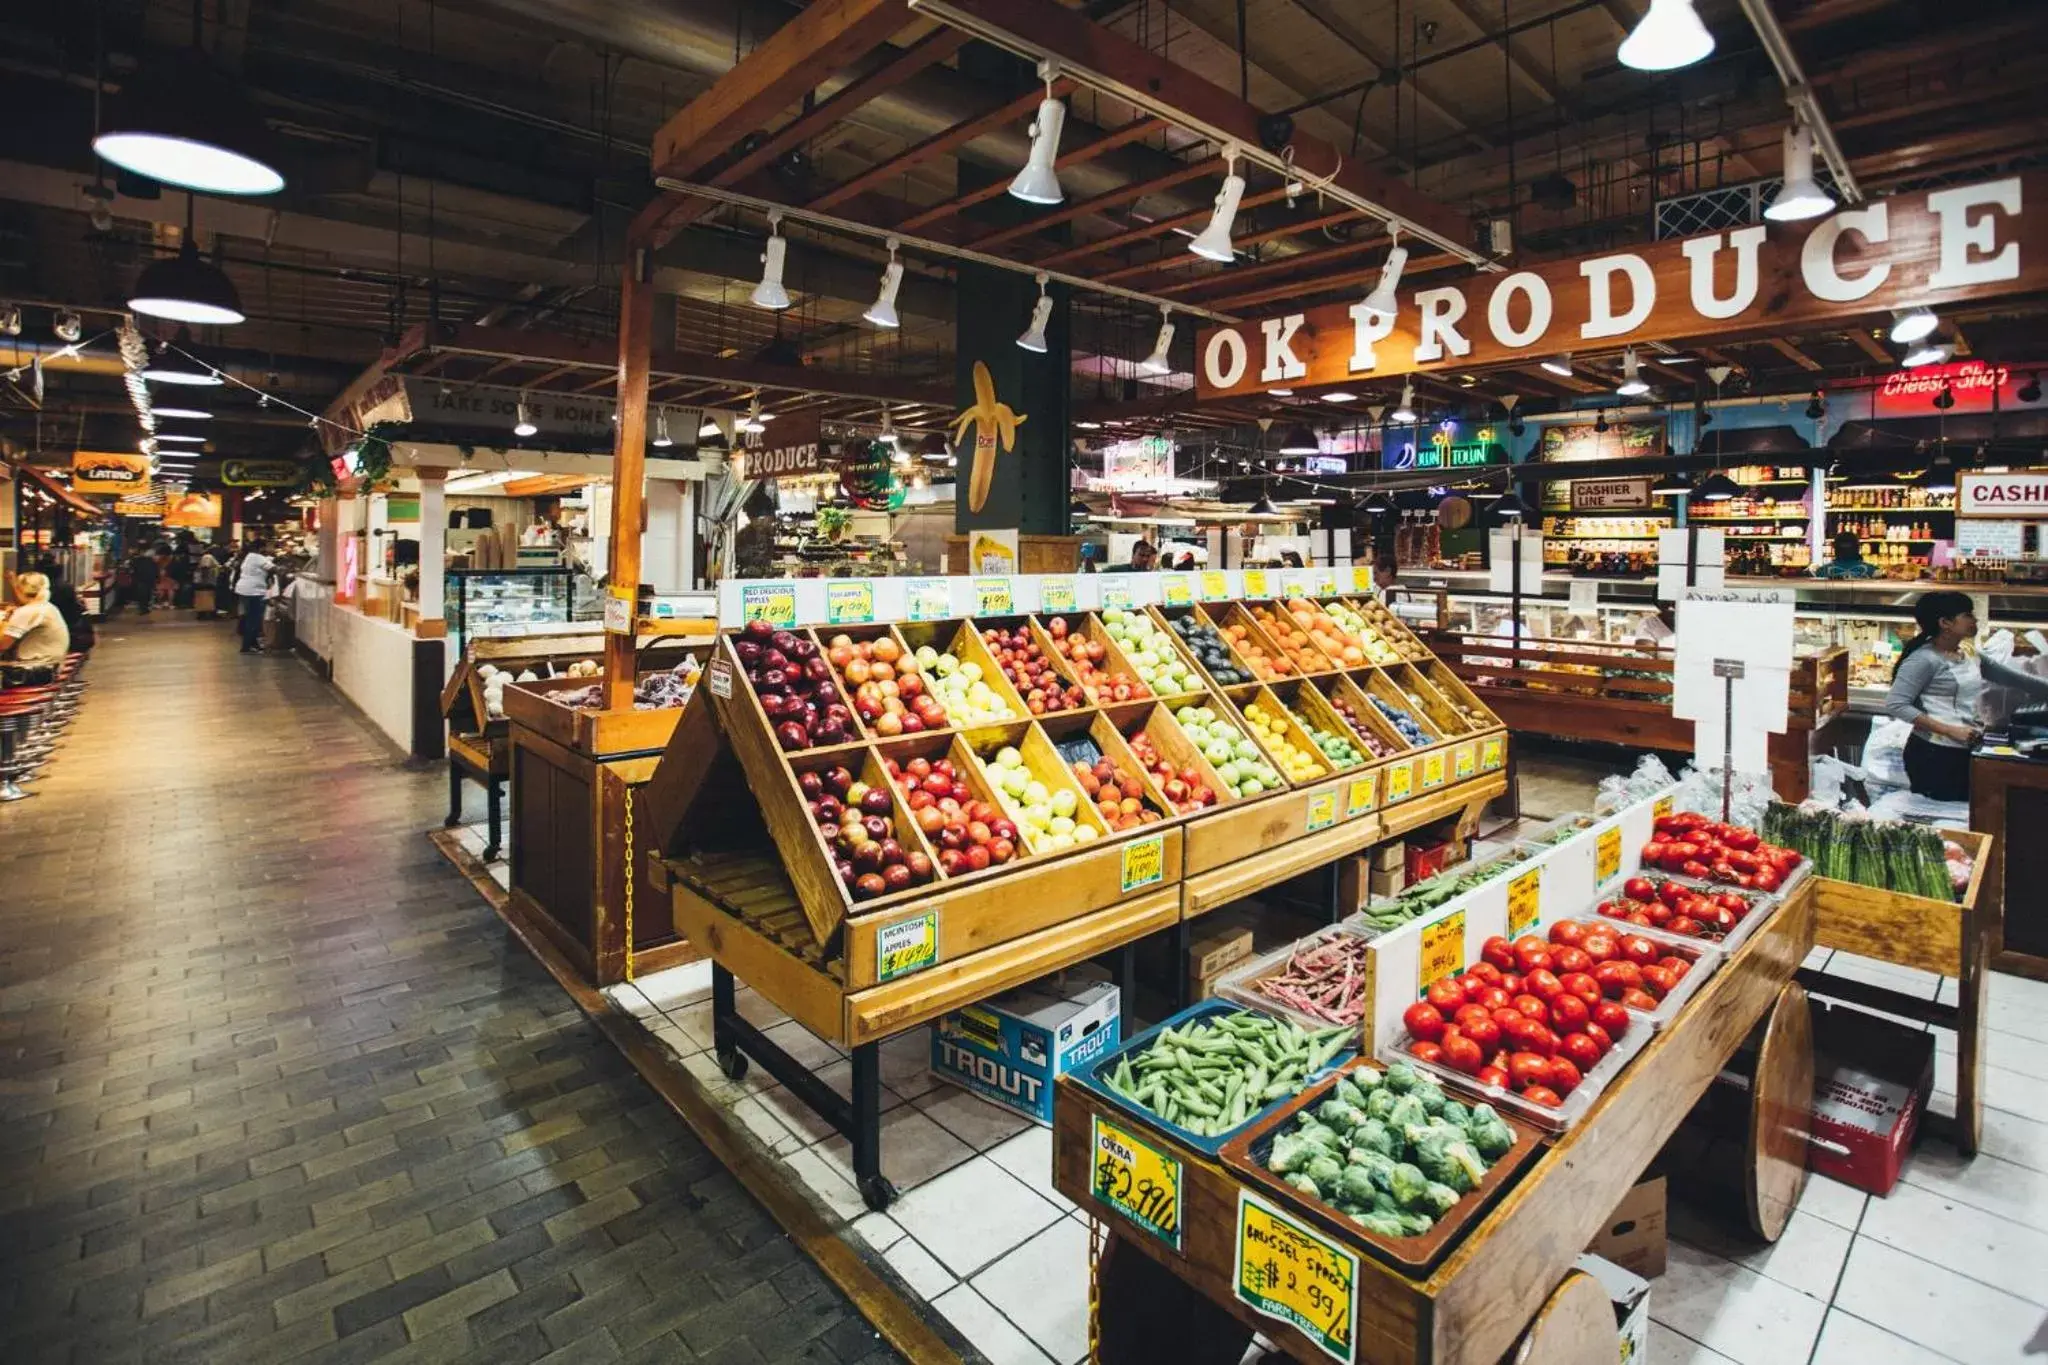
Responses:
[1446,995]
[1696,870]
[1728,900]
[1533,1007]
[1659,913]
[1768,879]
[1638,949]
[1491,1075]
[1614,977]
[1495,998]
[1724,919]
[1564,1075]
[1571,960]
[1745,839]
[1543,984]
[1567,933]
[1531,1036]
[1509,1018]
[1684,924]
[1658,981]
[1675,965]
[1568,1011]
[1582,985]
[1602,1039]
[1462,1054]
[1542,1039]
[1641,917]
[1543,1095]
[1484,971]
[1583,1050]
[1637,999]
[1511,982]
[1499,952]
[1599,946]
[1530,953]
[1671,893]
[1423,1021]
[1638,888]
[1529,1069]
[1472,986]
[1467,1013]
[1653,852]
[1483,1031]
[1609,910]
[1612,1017]
[1426,1052]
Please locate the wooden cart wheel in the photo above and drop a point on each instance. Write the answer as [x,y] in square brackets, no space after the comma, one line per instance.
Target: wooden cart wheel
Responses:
[1575,1326]
[1780,1114]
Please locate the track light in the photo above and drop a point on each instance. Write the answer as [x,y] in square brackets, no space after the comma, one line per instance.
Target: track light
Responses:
[1560,365]
[882,312]
[1038,183]
[170,364]
[1632,381]
[69,327]
[1214,242]
[1913,324]
[185,122]
[1404,411]
[1801,195]
[1299,440]
[524,426]
[753,423]
[1033,337]
[186,288]
[661,437]
[1931,351]
[1382,300]
[769,293]
[1157,362]
[1816,407]
[1669,36]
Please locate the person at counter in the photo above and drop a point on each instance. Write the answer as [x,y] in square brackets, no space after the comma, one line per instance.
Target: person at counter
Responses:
[1386,579]
[1936,689]
[1657,629]
[1847,560]
[1144,559]
[35,637]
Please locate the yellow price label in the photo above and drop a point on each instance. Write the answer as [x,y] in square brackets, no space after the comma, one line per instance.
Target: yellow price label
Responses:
[849,601]
[1326,582]
[1118,596]
[1056,593]
[1362,795]
[1661,809]
[1255,583]
[908,945]
[1492,753]
[1215,587]
[1607,855]
[1138,1180]
[774,603]
[1176,591]
[1144,863]
[1443,950]
[1400,782]
[1465,761]
[1525,902]
[1361,578]
[1433,769]
[992,597]
[1322,811]
[1288,1271]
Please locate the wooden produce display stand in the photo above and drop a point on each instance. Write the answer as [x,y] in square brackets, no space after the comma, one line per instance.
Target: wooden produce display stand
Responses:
[577,777]
[2008,793]
[752,883]
[1507,1276]
[1619,694]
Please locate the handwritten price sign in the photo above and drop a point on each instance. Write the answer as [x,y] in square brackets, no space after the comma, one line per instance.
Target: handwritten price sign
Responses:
[1322,811]
[1433,769]
[1362,795]
[1287,1271]
[1492,753]
[1138,1181]
[1400,782]
[1443,951]
[1607,855]
[908,945]
[1525,902]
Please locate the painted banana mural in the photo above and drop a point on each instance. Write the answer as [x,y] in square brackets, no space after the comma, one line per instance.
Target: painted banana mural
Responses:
[992,421]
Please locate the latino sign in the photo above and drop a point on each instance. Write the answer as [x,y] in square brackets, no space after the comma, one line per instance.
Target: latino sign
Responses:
[2003,495]
[1934,247]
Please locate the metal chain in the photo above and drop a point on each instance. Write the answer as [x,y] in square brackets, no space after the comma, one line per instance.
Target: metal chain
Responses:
[1095,1241]
[632,876]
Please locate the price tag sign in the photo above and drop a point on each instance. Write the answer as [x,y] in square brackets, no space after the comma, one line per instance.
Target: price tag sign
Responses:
[618,616]
[849,601]
[1433,769]
[1255,584]
[992,597]
[1326,582]
[1400,782]
[1175,590]
[719,678]
[1056,593]
[1361,578]
[927,599]
[1525,900]
[1465,761]
[1607,855]
[1288,1271]
[1661,809]
[1362,795]
[1138,1181]
[1118,596]
[1492,753]
[1215,587]
[1443,951]
[1144,863]
[908,945]
[1322,811]
[774,603]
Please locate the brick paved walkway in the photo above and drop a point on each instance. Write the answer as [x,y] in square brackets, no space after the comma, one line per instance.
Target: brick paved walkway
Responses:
[275,1084]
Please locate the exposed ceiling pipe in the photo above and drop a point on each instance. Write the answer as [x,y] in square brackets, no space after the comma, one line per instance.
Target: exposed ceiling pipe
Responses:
[1800,96]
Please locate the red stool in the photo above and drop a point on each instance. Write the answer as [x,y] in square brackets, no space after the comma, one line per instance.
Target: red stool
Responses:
[20,709]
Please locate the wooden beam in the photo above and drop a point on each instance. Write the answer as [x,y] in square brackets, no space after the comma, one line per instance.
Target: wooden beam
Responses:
[937,144]
[1101,203]
[1793,353]
[818,42]
[1328,284]
[1187,260]
[1238,276]
[1868,344]
[629,471]
[1143,126]
[1156,228]
[1332,16]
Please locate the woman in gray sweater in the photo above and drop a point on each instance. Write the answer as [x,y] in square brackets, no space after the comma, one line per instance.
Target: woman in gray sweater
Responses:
[1936,689]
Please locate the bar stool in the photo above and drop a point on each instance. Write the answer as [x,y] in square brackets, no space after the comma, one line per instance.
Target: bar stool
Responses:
[20,709]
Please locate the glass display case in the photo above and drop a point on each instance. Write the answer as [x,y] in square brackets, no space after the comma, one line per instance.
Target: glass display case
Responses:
[484,601]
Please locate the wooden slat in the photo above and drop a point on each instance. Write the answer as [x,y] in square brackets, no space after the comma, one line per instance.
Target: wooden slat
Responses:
[805,994]
[936,145]
[1137,128]
[1101,203]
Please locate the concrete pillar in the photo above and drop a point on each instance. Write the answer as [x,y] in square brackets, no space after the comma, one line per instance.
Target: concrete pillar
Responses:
[433,551]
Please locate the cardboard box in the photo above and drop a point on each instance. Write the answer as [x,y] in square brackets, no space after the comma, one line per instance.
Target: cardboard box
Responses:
[1390,881]
[1630,1295]
[1217,947]
[1009,1049]
[1390,855]
[1636,1232]
[1871,1082]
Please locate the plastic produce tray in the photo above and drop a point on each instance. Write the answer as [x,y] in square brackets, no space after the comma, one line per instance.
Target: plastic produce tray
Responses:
[1591,1086]
[1704,956]
[1765,902]
[1239,983]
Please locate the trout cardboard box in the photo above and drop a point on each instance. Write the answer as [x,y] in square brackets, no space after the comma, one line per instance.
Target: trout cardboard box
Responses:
[1008,1049]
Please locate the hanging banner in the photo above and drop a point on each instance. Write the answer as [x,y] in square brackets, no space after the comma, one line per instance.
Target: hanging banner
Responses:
[109,471]
[198,511]
[259,473]
[1935,247]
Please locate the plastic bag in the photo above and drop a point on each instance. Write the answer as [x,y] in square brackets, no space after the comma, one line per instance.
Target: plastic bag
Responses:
[1618,790]
[1699,790]
[1907,805]
[1997,703]
[1884,756]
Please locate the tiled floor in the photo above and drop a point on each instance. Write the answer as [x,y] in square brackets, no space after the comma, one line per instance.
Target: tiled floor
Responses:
[276,1085]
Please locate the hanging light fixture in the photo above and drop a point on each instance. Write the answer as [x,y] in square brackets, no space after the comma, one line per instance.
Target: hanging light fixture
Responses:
[1340,396]
[1800,196]
[882,312]
[1033,337]
[1669,36]
[707,428]
[1717,487]
[1263,507]
[1870,481]
[1946,399]
[10,320]
[187,287]
[524,426]
[1510,507]
[769,293]
[1404,411]
[1600,421]
[1560,365]
[1931,351]
[1157,362]
[1382,300]
[184,121]
[662,439]
[1632,381]
[1379,503]
[1280,393]
[1939,474]
[181,438]
[1670,485]
[2030,392]
[1816,406]
[172,364]
[1913,324]
[182,414]
[1299,440]
[888,436]
[1213,243]
[754,423]
[1038,183]
[68,326]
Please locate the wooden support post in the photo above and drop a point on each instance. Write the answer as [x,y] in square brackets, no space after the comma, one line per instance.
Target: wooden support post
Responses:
[629,474]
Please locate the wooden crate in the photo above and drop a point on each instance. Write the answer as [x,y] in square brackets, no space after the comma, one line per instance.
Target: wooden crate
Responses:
[1891,926]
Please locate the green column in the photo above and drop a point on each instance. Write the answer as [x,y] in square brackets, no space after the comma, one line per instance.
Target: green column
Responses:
[1028,490]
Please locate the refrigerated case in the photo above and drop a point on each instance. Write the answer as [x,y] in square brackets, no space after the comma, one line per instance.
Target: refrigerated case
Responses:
[482,601]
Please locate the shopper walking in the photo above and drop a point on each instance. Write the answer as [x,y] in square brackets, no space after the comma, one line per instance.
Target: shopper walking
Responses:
[35,638]
[1936,689]
[142,581]
[252,588]
[206,582]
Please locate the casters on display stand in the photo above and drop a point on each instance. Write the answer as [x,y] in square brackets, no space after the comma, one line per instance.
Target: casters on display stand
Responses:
[877,1192]
[733,1063]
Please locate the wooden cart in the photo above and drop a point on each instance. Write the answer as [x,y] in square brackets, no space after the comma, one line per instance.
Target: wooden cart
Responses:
[2009,792]
[1619,694]
[749,880]
[1510,1277]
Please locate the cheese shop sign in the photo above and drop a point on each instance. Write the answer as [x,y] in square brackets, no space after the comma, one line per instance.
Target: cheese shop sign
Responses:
[1935,247]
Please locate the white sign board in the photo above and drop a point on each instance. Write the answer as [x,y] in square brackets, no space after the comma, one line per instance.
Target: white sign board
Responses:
[1990,536]
[1688,559]
[2019,494]
[1732,676]
[1501,552]
[1610,495]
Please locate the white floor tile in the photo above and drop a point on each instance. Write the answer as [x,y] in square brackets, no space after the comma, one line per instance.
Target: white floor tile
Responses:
[1828,1198]
[2021,991]
[1667,1347]
[2018,1140]
[629,998]
[1817,960]
[914,1149]
[925,1276]
[992,1333]
[1028,1156]
[1984,1182]
[755,1009]
[1808,1257]
[810,1052]
[972,1214]
[878,1230]
[977,1122]
[1935,1307]
[798,1117]
[1849,1340]
[1042,1287]
[1969,1241]
[676,985]
[828,1183]
[1907,980]
[764,1124]
[906,1063]
[694,1019]
[1750,1318]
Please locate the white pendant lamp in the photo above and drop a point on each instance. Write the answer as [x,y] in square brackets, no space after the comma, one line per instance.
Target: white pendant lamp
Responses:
[882,312]
[752,423]
[171,364]
[1158,362]
[1559,365]
[1931,351]
[1404,411]
[662,439]
[1382,300]
[524,426]
[1913,325]
[1632,382]
[185,122]
[1033,338]
[769,293]
[1213,243]
[1038,183]
[1800,196]
[1669,36]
